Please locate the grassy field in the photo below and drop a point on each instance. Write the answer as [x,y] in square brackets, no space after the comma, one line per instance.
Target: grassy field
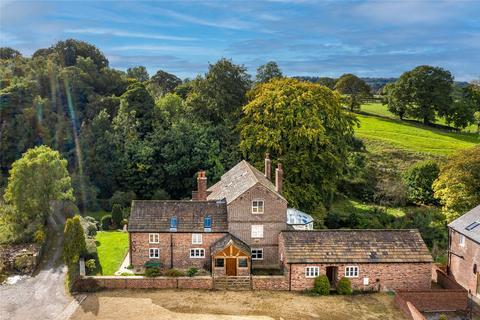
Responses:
[112,247]
[414,136]
[351,206]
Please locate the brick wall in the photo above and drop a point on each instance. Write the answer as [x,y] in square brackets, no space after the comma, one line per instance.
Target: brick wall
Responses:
[136,282]
[408,308]
[383,276]
[181,243]
[462,268]
[270,283]
[437,300]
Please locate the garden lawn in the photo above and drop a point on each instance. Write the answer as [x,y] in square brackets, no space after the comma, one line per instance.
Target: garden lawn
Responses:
[414,136]
[112,246]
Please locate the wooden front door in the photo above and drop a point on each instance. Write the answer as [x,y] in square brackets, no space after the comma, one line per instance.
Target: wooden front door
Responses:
[231,266]
[332,276]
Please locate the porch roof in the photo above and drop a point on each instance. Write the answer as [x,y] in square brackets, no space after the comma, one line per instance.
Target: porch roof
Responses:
[225,241]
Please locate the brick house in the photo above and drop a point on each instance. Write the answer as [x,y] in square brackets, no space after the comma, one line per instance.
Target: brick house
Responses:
[464,251]
[239,225]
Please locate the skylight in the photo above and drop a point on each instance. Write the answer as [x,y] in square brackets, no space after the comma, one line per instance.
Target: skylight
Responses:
[472,226]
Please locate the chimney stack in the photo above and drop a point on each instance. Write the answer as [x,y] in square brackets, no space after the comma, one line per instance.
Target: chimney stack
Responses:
[268,166]
[201,186]
[279,178]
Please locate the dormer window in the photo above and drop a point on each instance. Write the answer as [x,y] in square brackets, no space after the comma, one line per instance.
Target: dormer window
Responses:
[173,223]
[257,206]
[207,224]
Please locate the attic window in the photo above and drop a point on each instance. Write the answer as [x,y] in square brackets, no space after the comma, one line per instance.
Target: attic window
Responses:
[173,223]
[207,223]
[472,226]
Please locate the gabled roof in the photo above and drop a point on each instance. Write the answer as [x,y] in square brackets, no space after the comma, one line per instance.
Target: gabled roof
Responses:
[466,224]
[154,216]
[225,241]
[238,180]
[355,246]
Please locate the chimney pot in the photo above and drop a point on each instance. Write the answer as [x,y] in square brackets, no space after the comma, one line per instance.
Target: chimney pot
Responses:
[268,167]
[279,178]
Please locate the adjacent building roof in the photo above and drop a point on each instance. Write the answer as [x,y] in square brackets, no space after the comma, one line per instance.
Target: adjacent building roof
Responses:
[156,216]
[355,246]
[238,180]
[468,224]
[228,239]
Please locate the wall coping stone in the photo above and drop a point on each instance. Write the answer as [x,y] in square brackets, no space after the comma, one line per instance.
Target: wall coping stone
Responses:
[143,277]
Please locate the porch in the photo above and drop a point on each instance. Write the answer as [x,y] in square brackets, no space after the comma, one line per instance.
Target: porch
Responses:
[230,258]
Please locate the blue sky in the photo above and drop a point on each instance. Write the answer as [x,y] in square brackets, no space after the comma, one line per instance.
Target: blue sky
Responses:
[317,38]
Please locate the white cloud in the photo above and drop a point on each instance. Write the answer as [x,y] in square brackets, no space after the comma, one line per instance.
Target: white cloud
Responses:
[190,50]
[128,34]
[231,23]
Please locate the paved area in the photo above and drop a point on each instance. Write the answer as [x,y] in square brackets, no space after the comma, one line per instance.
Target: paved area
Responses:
[43,295]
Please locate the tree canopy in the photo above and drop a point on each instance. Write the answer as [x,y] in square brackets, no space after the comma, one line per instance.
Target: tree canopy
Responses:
[354,88]
[303,126]
[268,72]
[458,185]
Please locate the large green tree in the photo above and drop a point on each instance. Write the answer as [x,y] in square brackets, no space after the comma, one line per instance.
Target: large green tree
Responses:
[268,72]
[458,185]
[354,88]
[35,180]
[426,93]
[139,73]
[162,83]
[303,126]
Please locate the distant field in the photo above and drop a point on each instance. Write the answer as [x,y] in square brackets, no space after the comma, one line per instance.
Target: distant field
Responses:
[413,136]
[378,109]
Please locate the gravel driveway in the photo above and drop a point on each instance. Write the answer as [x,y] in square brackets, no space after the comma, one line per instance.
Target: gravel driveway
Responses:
[43,295]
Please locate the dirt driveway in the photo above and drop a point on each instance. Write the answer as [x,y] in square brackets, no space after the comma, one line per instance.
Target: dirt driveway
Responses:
[217,305]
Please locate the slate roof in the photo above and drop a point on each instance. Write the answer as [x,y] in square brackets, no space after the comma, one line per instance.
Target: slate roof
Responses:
[223,242]
[465,223]
[355,246]
[154,216]
[237,180]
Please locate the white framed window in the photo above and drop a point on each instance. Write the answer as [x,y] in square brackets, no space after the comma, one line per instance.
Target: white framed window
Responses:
[257,254]
[197,253]
[257,206]
[153,238]
[257,231]
[196,238]
[154,253]
[312,272]
[462,240]
[351,271]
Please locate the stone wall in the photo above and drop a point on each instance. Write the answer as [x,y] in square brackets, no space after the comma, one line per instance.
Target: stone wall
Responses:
[270,283]
[381,276]
[408,309]
[137,282]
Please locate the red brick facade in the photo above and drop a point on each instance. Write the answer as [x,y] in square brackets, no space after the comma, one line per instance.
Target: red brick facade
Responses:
[377,276]
[462,262]
[174,249]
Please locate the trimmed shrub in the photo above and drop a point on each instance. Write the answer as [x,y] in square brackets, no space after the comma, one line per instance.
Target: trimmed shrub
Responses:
[442,317]
[152,264]
[117,216]
[152,272]
[39,236]
[106,222]
[418,180]
[174,273]
[322,285]
[91,265]
[192,271]
[344,286]
[90,249]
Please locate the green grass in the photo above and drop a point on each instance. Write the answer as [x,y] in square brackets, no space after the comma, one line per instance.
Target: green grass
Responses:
[414,136]
[349,206]
[97,214]
[112,247]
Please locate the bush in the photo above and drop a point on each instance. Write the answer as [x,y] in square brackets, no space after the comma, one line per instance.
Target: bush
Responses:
[174,273]
[124,199]
[442,317]
[344,286]
[418,180]
[192,271]
[152,264]
[322,285]
[117,216]
[152,272]
[90,249]
[91,265]
[106,222]
[39,236]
